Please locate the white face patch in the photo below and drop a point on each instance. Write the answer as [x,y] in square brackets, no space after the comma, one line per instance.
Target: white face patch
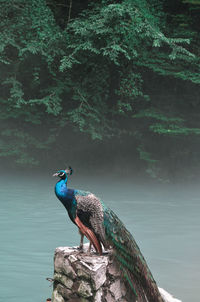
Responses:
[61,174]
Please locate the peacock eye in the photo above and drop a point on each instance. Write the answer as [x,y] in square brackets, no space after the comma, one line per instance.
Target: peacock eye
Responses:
[62,174]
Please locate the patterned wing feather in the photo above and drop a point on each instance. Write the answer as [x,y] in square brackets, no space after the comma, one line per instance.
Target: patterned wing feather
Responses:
[130,259]
[90,212]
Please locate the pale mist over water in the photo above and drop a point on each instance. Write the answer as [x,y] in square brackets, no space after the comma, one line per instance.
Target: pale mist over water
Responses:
[164,220]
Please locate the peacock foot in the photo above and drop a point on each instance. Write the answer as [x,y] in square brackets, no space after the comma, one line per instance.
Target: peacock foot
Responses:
[80,248]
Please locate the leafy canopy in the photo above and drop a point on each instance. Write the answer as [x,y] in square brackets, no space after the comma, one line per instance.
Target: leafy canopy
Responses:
[88,66]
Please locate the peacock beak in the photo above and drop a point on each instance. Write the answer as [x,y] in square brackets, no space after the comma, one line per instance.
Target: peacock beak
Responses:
[55,174]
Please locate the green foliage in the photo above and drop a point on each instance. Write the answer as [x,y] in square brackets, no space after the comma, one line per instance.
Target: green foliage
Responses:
[173,129]
[93,68]
[155,114]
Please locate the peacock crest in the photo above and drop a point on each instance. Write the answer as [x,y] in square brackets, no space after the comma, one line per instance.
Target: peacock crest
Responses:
[69,170]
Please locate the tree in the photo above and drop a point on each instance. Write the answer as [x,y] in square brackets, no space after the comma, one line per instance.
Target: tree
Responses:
[86,65]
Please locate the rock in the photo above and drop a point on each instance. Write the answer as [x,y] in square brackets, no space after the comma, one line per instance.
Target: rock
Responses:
[84,289]
[113,270]
[99,274]
[79,277]
[58,262]
[93,268]
[115,290]
[68,270]
[98,296]
[167,297]
[62,265]
[109,297]
[56,297]
[72,258]
[82,274]
[123,289]
[67,282]
[63,291]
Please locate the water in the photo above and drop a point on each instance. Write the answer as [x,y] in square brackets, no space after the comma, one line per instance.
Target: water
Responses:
[164,221]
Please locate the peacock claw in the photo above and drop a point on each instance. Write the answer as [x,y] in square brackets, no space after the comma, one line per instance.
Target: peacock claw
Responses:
[80,248]
[105,252]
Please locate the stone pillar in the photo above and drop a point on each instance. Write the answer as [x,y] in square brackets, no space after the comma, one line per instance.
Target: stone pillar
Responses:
[80,277]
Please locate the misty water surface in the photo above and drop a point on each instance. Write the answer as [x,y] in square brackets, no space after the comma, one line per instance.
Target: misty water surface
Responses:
[163,219]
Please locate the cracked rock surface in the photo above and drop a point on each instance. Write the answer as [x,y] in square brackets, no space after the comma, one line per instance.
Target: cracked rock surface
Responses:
[79,277]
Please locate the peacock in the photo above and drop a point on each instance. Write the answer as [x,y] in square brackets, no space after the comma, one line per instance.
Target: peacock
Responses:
[102,227]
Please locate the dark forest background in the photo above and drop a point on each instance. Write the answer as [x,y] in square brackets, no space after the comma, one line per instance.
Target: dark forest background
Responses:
[104,85]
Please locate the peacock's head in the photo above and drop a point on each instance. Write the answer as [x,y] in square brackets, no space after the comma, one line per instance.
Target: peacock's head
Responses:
[63,174]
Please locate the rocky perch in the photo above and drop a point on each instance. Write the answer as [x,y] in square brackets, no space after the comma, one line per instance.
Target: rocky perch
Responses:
[79,277]
[82,277]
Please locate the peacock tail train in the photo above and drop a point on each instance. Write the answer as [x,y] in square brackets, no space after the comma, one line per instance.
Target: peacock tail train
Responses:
[130,259]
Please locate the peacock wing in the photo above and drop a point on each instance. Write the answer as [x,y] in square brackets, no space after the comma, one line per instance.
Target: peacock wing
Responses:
[89,234]
[130,259]
[90,213]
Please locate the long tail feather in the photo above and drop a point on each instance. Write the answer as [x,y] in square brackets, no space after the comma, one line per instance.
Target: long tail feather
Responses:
[130,259]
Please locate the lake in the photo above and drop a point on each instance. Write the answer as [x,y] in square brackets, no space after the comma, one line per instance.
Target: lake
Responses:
[164,219]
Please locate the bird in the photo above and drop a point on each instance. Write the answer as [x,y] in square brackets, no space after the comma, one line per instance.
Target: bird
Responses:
[102,227]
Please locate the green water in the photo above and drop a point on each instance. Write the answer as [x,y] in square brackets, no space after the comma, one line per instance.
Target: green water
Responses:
[164,221]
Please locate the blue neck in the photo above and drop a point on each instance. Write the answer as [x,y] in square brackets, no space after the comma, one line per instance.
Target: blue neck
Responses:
[65,180]
[61,189]
[66,196]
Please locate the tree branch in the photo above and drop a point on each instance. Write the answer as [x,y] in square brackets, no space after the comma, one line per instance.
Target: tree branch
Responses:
[70,9]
